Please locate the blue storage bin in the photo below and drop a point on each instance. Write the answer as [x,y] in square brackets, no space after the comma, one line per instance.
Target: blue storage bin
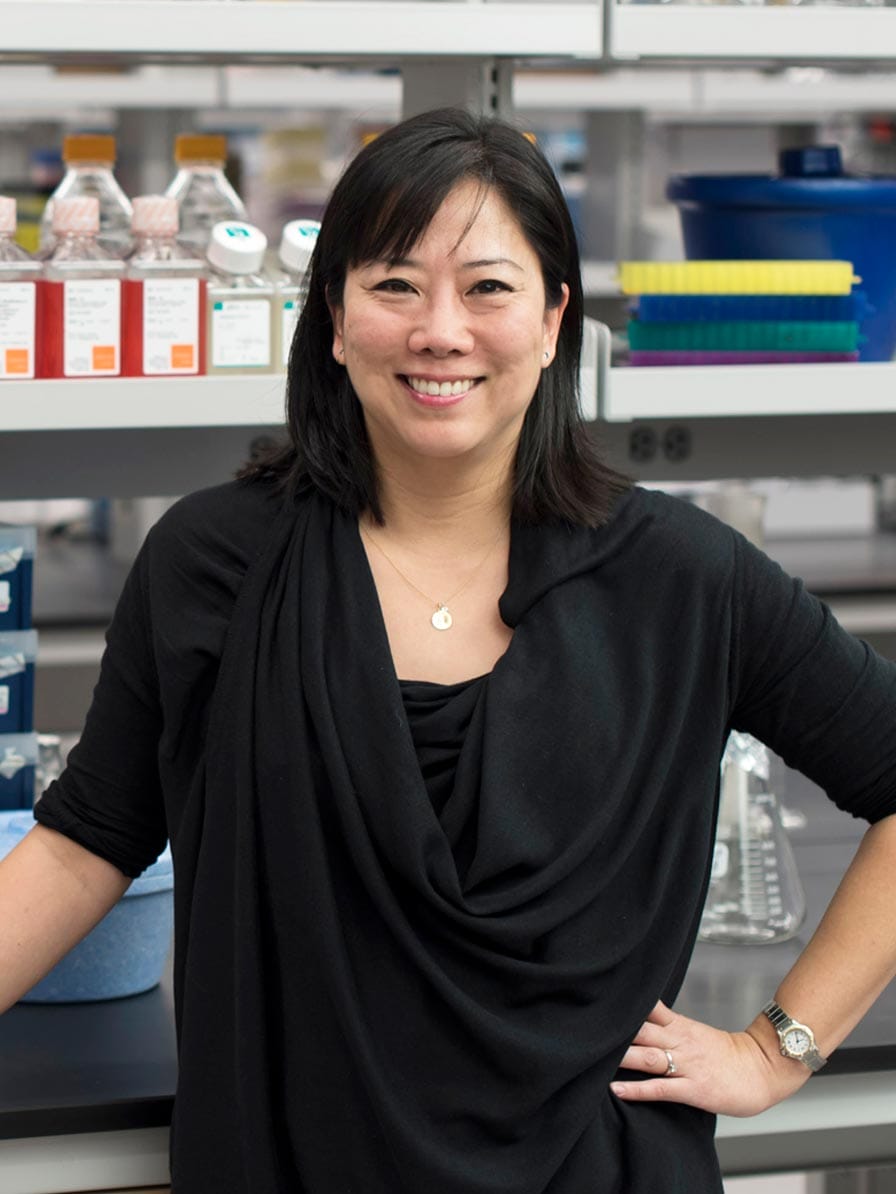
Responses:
[697,308]
[18,654]
[17,548]
[811,210]
[18,760]
[125,954]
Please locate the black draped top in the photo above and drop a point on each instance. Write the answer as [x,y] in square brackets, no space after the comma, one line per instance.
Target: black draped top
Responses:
[389,981]
[439,716]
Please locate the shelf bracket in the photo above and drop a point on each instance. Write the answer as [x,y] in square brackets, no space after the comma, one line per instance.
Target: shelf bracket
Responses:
[481,84]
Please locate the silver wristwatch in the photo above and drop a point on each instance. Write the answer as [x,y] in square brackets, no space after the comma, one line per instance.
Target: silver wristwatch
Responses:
[797,1040]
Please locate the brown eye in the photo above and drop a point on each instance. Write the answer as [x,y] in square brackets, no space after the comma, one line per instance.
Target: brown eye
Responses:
[490,286]
[394,286]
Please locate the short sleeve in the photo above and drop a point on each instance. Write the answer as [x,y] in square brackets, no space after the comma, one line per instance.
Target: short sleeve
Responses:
[821,698]
[108,798]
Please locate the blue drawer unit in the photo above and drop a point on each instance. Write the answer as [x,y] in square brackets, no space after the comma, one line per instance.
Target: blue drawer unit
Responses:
[18,759]
[18,653]
[17,547]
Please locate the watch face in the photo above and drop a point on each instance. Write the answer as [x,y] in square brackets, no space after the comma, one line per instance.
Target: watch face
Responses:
[797,1042]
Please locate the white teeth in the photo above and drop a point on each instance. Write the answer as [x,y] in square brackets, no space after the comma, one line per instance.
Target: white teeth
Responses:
[445,389]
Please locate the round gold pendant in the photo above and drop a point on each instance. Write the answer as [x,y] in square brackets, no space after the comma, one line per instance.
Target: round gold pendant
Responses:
[442,619]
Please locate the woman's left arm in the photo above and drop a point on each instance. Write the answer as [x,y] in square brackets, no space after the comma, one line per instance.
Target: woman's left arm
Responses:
[848,962]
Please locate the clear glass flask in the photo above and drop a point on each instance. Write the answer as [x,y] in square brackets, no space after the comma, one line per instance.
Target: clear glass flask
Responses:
[755,895]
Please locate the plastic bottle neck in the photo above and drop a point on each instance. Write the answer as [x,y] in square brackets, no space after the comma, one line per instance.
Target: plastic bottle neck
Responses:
[209,166]
[89,167]
[156,248]
[11,252]
[79,246]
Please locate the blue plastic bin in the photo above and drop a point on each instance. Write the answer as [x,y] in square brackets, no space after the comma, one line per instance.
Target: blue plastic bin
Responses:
[18,760]
[811,210]
[125,954]
[18,655]
[17,546]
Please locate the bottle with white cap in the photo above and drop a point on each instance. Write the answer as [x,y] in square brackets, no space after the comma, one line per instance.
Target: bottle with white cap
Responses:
[240,301]
[200,188]
[89,159]
[297,243]
[163,297]
[81,324]
[19,288]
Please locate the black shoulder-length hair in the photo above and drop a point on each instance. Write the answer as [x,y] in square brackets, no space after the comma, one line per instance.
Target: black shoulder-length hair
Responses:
[379,209]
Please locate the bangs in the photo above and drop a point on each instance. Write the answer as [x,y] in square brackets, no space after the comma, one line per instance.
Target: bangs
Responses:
[397,213]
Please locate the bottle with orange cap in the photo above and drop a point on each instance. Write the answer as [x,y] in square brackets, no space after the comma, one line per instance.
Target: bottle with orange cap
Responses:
[204,196]
[19,287]
[81,297]
[89,159]
[163,297]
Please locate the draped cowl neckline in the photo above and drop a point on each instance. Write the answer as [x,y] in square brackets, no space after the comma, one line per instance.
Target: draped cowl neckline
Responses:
[439,717]
[414,999]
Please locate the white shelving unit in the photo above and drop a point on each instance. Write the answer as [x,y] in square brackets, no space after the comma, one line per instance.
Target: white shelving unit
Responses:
[777,33]
[725,391]
[242,55]
[730,391]
[33,90]
[296,30]
[131,403]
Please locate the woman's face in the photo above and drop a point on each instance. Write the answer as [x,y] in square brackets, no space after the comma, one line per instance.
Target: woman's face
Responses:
[445,348]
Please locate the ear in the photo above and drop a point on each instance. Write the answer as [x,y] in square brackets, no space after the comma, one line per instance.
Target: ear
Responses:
[553,318]
[337,315]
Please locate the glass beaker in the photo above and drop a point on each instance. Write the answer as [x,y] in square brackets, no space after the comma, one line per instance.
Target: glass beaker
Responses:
[755,894]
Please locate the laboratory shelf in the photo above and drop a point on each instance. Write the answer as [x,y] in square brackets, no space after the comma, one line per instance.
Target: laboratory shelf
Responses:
[729,391]
[728,32]
[701,92]
[142,402]
[291,31]
[645,393]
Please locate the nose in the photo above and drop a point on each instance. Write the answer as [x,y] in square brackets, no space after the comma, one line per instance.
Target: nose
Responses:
[442,326]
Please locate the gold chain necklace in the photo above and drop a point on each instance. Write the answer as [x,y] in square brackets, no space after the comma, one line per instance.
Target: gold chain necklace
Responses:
[441,618]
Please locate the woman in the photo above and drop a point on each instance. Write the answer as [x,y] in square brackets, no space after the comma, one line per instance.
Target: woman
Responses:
[431,705]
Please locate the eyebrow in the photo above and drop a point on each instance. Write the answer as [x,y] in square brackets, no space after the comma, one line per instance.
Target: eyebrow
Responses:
[485,262]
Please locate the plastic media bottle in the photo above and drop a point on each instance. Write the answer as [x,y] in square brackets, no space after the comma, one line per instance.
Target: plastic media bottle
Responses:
[240,301]
[163,297]
[19,288]
[89,159]
[81,317]
[290,284]
[204,196]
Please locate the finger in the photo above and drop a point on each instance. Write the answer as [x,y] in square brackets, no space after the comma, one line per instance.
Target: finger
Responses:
[654,1090]
[661,1015]
[655,1037]
[650,1061]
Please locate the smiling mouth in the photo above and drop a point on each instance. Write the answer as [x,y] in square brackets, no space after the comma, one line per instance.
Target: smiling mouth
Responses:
[440,389]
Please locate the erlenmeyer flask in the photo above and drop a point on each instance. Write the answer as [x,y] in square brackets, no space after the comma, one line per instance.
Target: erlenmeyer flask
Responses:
[755,894]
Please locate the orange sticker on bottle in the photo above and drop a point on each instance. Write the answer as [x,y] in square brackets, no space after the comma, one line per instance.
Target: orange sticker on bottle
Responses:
[103,356]
[17,360]
[182,356]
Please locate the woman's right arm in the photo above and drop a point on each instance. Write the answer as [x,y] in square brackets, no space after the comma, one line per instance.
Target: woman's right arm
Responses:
[52,893]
